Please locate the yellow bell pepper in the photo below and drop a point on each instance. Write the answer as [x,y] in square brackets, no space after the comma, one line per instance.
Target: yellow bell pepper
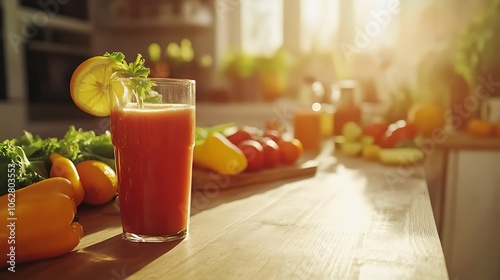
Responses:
[64,167]
[217,153]
[36,222]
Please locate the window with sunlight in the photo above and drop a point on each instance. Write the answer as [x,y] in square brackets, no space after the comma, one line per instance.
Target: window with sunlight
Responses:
[261,26]
[376,23]
[320,21]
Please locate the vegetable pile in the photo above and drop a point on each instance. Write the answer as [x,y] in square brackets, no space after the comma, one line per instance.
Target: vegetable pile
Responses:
[57,175]
[44,181]
[30,154]
[230,149]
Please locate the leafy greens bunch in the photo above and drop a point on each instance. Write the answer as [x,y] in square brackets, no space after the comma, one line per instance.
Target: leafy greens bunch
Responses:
[77,145]
[28,156]
[17,171]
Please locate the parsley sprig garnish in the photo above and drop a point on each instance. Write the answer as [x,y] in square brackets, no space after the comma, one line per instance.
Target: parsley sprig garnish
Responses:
[142,88]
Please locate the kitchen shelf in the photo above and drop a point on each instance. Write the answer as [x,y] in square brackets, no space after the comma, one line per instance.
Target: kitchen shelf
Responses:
[147,24]
[58,48]
[128,16]
[58,21]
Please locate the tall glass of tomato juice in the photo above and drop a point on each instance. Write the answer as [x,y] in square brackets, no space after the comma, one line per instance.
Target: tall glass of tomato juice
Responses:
[153,138]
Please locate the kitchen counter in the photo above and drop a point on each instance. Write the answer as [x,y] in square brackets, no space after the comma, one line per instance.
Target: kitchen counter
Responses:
[352,220]
[463,179]
[441,152]
[462,140]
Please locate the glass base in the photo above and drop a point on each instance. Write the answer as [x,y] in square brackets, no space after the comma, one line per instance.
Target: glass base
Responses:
[149,238]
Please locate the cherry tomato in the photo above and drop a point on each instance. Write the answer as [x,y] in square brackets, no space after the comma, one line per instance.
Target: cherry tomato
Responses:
[254,152]
[237,135]
[271,152]
[397,132]
[273,134]
[375,130]
[290,151]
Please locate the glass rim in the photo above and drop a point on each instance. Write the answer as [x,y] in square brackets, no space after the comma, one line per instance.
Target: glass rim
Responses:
[180,81]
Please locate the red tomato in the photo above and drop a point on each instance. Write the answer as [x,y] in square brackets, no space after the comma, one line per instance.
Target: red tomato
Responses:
[237,135]
[254,152]
[271,152]
[273,134]
[397,132]
[290,151]
[376,130]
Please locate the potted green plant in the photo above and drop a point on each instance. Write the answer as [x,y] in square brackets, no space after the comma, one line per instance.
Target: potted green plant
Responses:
[239,69]
[273,74]
[477,51]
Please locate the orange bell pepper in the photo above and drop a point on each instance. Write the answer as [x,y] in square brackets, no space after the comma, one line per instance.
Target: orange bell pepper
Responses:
[64,167]
[37,222]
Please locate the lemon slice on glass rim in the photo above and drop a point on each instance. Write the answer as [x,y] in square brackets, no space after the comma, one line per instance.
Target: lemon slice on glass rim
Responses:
[95,87]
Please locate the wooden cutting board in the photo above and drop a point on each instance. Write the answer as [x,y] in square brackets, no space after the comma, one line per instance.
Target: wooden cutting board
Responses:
[211,180]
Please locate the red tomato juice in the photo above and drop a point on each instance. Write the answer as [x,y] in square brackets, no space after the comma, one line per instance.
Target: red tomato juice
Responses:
[154,151]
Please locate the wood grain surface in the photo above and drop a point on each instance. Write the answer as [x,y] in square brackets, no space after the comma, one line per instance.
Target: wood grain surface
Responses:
[206,179]
[352,220]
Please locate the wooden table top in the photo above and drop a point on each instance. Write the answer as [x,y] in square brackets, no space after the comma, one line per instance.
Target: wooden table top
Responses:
[353,220]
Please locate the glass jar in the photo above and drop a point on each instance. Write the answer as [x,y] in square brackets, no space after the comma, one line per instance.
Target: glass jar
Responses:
[347,107]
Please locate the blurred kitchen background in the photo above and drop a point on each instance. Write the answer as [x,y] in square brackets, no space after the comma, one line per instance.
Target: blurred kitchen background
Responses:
[250,57]
[240,51]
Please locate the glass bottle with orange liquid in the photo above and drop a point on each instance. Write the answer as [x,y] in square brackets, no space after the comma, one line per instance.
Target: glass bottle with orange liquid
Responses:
[346,106]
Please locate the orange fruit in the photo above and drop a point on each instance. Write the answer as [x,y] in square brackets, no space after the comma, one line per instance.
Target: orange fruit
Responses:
[94,86]
[480,128]
[426,117]
[290,151]
[98,180]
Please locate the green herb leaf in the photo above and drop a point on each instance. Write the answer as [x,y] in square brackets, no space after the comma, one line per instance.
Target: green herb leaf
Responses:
[13,161]
[134,69]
